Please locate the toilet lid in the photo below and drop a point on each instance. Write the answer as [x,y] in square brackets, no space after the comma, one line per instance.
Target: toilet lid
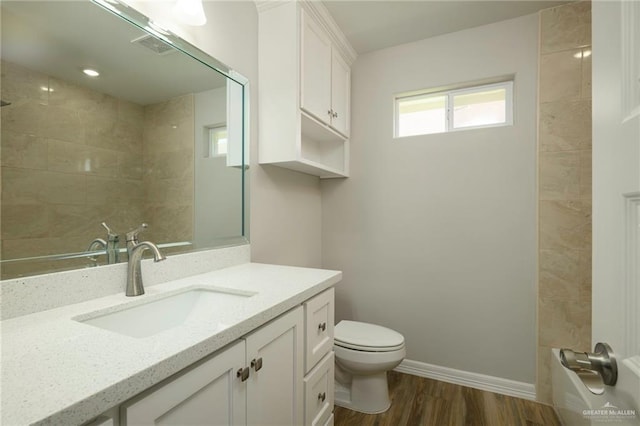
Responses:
[364,336]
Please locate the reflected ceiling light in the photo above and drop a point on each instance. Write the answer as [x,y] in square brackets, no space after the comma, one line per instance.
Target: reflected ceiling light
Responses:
[582,54]
[90,72]
[190,12]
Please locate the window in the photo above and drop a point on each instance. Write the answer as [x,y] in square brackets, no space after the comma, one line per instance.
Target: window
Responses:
[429,112]
[218,141]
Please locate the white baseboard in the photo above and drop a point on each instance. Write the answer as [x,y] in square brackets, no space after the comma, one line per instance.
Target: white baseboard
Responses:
[466,378]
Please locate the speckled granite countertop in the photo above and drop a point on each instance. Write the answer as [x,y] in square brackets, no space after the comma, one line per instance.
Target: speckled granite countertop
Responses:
[56,370]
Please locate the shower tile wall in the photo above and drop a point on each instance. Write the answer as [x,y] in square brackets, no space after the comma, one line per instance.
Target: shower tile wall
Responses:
[564,182]
[169,172]
[71,158]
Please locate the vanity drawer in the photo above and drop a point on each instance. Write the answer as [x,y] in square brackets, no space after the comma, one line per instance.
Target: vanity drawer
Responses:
[318,392]
[319,323]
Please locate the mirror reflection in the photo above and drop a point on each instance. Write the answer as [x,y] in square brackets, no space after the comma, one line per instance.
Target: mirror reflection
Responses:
[105,127]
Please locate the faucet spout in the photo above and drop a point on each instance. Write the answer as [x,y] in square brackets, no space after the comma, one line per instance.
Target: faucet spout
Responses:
[94,245]
[595,369]
[135,286]
[97,244]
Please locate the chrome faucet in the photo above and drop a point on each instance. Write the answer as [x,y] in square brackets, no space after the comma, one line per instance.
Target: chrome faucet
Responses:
[110,246]
[135,249]
[113,253]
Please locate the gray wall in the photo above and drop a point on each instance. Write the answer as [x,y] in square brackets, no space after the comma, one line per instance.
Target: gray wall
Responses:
[285,224]
[436,234]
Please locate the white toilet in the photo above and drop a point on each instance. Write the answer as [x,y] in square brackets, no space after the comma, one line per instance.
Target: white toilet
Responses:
[364,353]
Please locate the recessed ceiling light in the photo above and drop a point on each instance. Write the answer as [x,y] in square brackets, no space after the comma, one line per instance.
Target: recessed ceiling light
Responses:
[582,54]
[90,72]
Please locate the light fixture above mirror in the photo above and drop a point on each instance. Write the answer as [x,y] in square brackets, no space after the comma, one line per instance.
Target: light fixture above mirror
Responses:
[190,12]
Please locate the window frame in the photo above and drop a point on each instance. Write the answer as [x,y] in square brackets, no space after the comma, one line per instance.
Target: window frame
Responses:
[213,148]
[449,95]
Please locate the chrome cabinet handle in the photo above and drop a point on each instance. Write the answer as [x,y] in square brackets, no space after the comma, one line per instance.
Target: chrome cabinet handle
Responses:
[334,115]
[256,363]
[330,112]
[243,373]
[322,396]
[322,326]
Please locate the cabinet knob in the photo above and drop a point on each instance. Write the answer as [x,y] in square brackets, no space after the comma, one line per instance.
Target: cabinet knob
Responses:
[322,396]
[330,112]
[322,326]
[243,373]
[334,115]
[256,363]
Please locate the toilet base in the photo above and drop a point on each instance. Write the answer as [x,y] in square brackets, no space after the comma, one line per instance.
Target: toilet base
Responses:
[366,394]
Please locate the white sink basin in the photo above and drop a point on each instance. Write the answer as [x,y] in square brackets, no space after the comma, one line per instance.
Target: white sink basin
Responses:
[194,306]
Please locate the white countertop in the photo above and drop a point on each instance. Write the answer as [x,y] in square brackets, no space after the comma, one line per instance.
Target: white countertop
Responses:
[56,370]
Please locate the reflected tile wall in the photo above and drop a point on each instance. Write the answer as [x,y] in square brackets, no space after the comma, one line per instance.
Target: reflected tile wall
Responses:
[564,182]
[71,158]
[168,169]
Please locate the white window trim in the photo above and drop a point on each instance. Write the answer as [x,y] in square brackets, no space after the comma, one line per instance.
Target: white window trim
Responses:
[213,150]
[449,95]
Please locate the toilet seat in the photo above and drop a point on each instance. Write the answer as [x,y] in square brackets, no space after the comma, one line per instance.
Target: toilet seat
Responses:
[366,337]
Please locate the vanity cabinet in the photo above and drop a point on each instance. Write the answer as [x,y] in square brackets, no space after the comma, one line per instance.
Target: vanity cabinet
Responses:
[257,380]
[304,89]
[208,394]
[275,358]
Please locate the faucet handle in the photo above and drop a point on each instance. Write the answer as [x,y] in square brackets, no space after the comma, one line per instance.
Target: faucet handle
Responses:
[132,236]
[111,236]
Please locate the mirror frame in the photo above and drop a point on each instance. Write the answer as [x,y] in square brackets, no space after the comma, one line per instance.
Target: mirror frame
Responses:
[146,24]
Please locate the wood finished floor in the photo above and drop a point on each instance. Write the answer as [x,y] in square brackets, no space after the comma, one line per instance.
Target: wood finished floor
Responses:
[418,401]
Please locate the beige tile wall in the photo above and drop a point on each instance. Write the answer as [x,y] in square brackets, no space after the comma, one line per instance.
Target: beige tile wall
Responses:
[564,184]
[71,159]
[168,169]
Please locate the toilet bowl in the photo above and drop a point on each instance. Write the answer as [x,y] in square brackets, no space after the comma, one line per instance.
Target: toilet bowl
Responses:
[364,353]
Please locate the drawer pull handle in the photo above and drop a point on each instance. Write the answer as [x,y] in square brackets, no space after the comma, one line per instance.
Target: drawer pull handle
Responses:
[322,326]
[256,364]
[322,396]
[243,373]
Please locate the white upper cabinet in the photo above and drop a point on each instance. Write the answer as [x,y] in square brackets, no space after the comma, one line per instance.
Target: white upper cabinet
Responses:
[325,77]
[340,94]
[315,70]
[304,89]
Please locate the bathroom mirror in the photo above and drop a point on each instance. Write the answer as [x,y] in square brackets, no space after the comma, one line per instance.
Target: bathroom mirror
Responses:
[157,137]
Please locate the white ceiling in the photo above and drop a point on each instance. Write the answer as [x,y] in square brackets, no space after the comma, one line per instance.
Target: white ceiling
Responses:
[59,38]
[372,25]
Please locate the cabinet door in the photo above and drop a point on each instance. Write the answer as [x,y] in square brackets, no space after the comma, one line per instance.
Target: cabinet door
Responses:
[275,386]
[208,394]
[315,70]
[340,94]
